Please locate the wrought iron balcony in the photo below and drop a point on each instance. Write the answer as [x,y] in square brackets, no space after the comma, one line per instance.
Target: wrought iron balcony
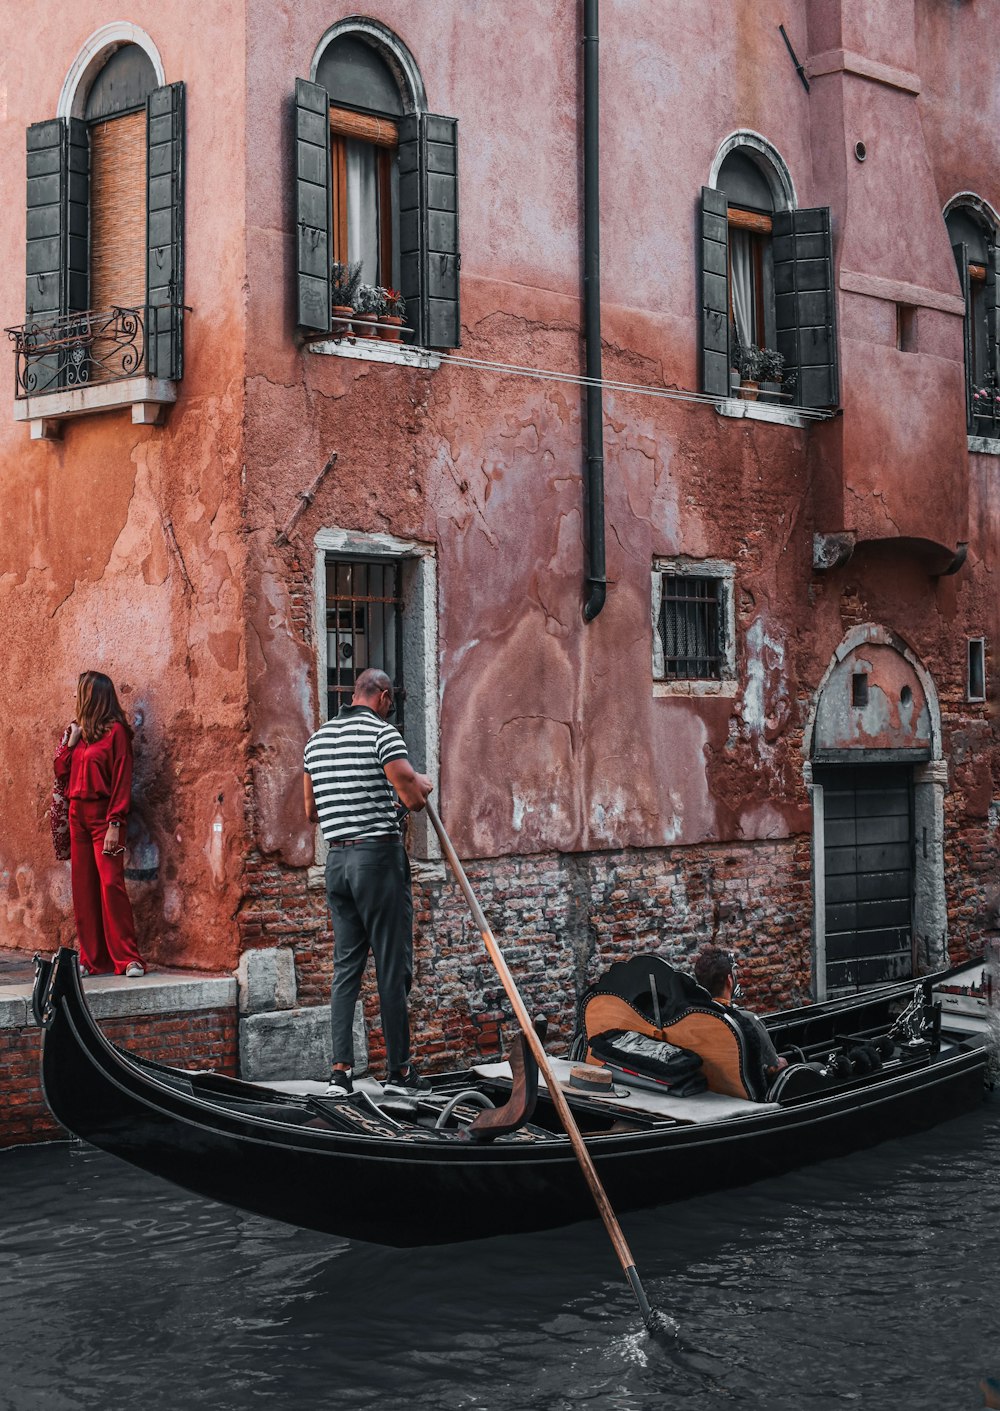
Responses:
[81,349]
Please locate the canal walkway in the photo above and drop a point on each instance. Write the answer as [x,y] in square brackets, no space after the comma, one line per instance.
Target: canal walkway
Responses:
[180,1017]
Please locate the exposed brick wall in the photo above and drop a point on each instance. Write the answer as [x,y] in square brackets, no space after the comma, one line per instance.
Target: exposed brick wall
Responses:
[561,919]
[207,1037]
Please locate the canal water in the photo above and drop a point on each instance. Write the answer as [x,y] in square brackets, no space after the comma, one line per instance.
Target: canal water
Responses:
[866,1282]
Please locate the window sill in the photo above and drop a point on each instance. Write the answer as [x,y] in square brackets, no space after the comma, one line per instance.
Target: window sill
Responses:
[726,688]
[760,411]
[984,445]
[147,396]
[376,350]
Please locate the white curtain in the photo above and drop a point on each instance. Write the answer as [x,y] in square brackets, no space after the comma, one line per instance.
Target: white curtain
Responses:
[741,267]
[362,207]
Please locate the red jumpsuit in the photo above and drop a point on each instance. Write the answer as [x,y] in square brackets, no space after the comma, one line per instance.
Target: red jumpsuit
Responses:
[99,792]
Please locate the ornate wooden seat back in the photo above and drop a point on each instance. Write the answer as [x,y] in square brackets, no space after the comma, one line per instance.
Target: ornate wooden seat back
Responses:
[690,1018]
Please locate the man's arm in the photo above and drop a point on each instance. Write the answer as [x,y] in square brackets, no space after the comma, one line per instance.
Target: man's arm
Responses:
[309,798]
[412,788]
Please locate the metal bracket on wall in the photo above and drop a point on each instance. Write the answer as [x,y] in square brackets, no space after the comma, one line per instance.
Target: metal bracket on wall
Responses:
[305,499]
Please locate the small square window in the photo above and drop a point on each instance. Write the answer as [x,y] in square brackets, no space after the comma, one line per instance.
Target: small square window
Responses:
[976,677]
[692,623]
[906,328]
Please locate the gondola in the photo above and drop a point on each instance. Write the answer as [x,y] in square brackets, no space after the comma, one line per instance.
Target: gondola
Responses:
[484,1153]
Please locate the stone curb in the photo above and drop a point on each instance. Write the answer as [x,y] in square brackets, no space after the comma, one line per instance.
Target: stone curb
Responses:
[116,997]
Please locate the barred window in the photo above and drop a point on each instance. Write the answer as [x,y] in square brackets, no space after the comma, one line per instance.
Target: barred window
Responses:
[690,627]
[364,624]
[692,617]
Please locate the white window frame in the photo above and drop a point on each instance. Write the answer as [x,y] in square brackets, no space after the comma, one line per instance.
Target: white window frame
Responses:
[971,642]
[420,659]
[683,566]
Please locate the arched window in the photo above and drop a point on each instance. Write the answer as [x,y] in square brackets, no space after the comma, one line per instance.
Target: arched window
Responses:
[105,223]
[768,307]
[377,183]
[973,235]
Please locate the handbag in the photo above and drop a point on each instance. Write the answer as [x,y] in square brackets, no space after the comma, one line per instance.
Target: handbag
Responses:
[59,822]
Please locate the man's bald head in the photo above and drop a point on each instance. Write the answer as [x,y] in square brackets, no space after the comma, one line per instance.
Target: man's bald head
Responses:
[373,688]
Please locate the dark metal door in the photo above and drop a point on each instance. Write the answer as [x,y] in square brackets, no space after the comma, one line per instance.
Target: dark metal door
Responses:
[868,855]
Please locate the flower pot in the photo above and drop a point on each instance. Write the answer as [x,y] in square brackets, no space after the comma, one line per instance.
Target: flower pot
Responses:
[365,325]
[749,391]
[342,315]
[390,328]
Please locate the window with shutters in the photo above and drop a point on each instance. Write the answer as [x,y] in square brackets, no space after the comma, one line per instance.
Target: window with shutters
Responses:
[768,310]
[974,242]
[693,627]
[377,187]
[104,234]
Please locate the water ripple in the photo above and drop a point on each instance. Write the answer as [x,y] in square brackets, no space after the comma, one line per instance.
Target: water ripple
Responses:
[859,1283]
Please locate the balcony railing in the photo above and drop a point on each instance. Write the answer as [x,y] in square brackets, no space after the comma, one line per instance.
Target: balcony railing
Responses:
[80,349]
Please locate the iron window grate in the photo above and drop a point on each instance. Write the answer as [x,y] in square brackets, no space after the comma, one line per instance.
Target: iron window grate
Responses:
[364,627]
[691,620]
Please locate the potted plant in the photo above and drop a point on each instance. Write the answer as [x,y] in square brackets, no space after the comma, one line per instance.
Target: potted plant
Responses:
[345,281]
[369,304]
[392,319]
[756,365]
[986,409]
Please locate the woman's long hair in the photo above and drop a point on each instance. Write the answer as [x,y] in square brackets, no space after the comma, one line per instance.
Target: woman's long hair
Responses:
[98,706]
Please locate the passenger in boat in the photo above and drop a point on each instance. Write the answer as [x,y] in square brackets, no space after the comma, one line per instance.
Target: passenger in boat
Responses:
[715,971]
[94,766]
[355,767]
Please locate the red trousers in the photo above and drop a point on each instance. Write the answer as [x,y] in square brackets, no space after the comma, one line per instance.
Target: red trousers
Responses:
[105,927]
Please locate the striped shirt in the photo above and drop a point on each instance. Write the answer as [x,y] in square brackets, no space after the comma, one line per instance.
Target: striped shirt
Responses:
[346,760]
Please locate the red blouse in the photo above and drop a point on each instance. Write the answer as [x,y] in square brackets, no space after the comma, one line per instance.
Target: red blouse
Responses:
[102,770]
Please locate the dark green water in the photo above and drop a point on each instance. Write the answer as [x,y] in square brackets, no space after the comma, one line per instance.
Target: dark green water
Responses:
[866,1282]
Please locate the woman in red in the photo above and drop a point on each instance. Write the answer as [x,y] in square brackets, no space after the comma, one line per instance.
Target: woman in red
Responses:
[95,757]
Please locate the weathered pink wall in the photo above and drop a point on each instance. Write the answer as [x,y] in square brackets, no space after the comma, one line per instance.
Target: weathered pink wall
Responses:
[90,574]
[551,736]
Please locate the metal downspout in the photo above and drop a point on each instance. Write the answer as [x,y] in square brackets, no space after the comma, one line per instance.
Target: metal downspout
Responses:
[595,585]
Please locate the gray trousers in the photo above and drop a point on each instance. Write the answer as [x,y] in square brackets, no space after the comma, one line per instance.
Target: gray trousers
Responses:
[371,903]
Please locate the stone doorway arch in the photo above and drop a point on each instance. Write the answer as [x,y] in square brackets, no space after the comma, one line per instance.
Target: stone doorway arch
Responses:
[874,765]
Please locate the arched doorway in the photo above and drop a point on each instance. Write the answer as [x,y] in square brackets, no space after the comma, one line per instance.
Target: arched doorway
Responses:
[877,781]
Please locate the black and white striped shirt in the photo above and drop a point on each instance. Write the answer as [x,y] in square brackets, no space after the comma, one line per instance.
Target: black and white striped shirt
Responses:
[346,760]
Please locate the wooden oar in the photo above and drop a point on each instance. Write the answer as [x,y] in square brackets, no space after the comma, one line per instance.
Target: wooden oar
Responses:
[655,1321]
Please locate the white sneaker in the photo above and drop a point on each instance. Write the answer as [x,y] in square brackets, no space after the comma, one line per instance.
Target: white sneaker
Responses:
[133,969]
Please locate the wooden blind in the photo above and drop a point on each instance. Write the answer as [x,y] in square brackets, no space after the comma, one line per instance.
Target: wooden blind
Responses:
[118,211]
[381,132]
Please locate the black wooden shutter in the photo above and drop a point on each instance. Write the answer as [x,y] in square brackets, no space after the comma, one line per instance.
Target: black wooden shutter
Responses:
[165,231]
[961,253]
[805,306]
[428,228]
[714,263]
[58,168]
[992,311]
[313,206]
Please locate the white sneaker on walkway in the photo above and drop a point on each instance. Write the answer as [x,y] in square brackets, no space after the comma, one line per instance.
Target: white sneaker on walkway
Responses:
[133,969]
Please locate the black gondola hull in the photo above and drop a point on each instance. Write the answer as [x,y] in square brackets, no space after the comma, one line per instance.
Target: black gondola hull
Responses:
[431,1190]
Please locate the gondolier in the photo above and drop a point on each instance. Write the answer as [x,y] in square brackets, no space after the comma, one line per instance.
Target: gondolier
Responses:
[355,767]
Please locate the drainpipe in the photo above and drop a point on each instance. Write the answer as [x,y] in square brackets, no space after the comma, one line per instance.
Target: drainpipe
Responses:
[595,583]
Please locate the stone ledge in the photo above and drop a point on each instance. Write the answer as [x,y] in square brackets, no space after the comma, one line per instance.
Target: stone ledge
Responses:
[760,411]
[147,396]
[984,445]
[374,350]
[118,997]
